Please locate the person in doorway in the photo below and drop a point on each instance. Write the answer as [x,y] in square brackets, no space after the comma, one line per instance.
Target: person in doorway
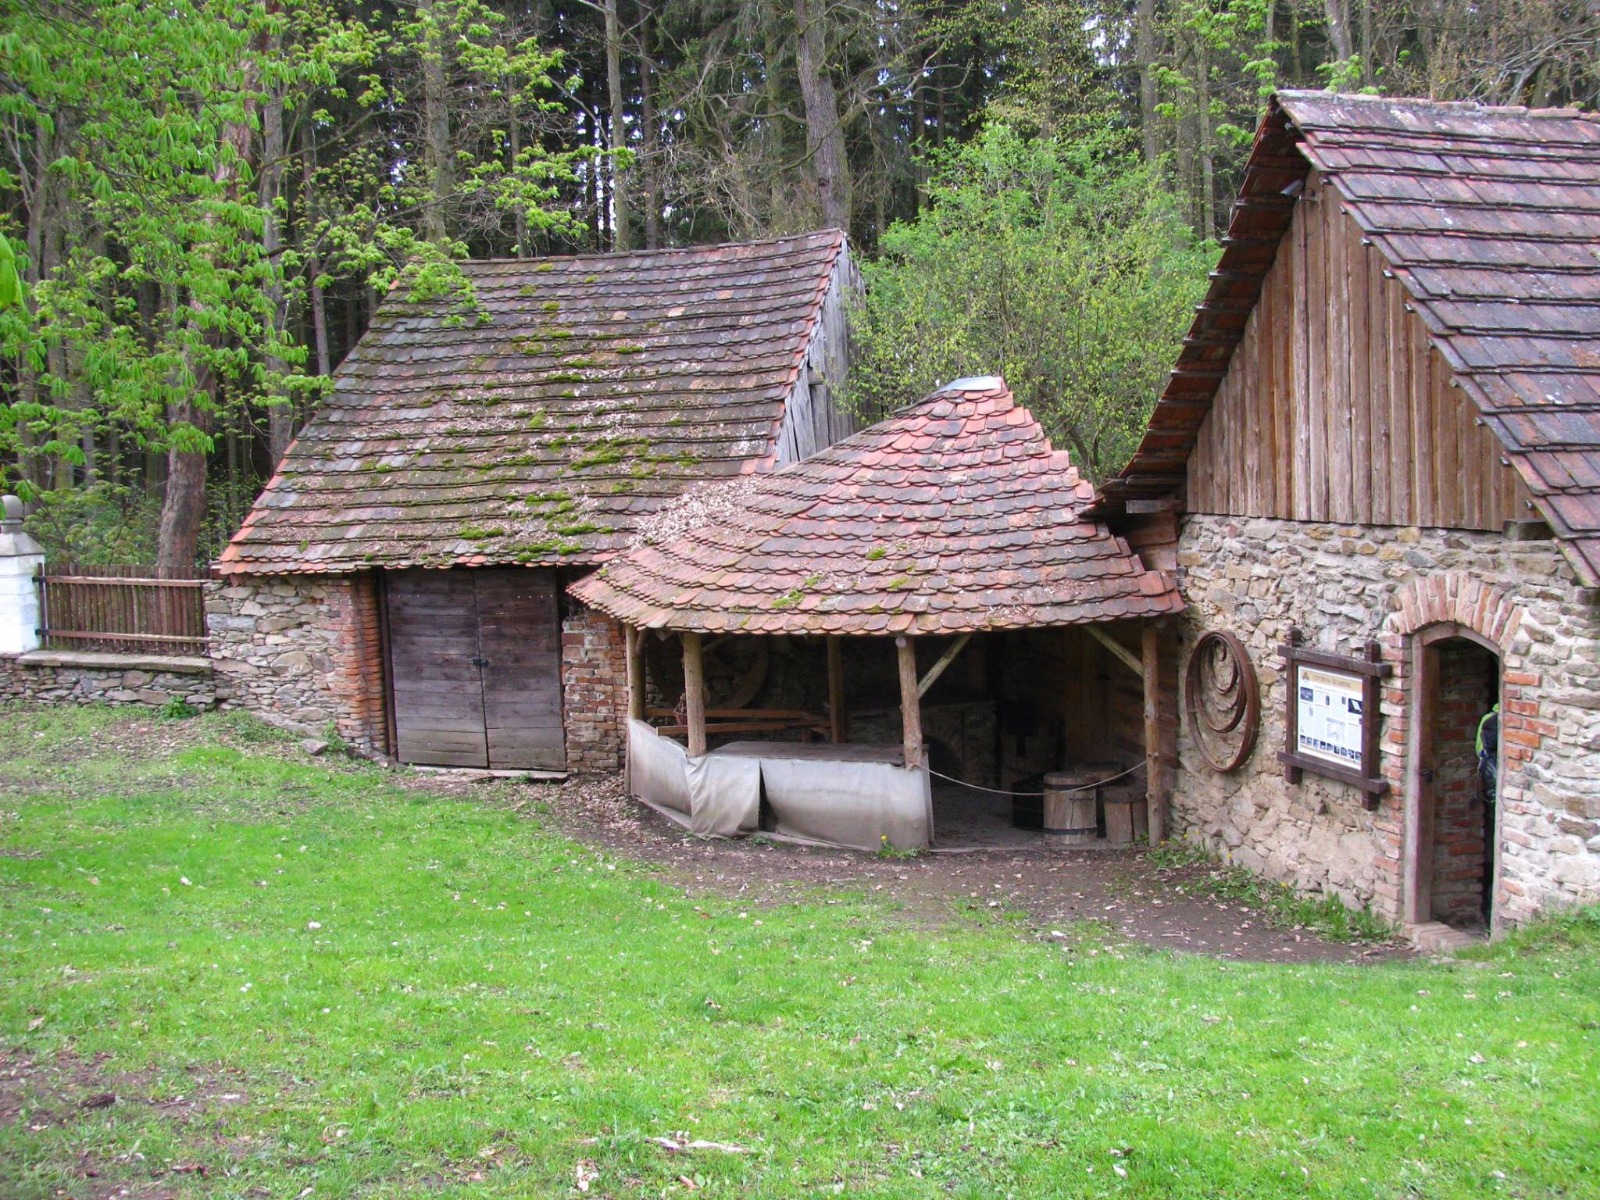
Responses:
[1489,753]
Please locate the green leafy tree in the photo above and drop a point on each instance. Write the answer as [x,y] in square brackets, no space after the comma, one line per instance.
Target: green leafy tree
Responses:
[1064,267]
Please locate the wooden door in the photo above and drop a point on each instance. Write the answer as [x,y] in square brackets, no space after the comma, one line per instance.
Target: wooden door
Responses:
[519,646]
[475,668]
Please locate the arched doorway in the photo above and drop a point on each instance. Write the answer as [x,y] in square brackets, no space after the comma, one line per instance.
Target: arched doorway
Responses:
[1452,833]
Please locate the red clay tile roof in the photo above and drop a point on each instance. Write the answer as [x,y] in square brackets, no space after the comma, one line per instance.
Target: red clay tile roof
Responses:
[1490,218]
[952,516]
[600,387]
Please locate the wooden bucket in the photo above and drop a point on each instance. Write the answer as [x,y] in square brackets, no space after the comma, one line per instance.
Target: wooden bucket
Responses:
[1127,813]
[1069,803]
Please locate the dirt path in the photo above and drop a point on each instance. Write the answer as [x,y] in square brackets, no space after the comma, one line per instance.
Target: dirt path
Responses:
[1169,907]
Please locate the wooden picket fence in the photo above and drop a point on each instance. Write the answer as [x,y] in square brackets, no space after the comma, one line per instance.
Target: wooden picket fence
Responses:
[138,609]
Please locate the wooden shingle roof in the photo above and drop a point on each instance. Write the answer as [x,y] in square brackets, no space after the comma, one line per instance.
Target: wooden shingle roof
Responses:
[595,389]
[952,516]
[1490,219]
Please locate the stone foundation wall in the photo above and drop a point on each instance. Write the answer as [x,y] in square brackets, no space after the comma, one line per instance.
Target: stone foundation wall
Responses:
[594,689]
[1343,585]
[301,651]
[154,681]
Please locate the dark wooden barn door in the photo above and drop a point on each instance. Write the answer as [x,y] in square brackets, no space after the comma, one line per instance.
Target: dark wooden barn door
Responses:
[475,665]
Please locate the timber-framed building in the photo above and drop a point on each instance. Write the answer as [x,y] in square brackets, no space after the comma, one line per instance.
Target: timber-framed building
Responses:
[402,576]
[1378,457]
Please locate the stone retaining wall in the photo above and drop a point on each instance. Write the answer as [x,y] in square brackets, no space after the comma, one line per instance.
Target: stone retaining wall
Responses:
[1343,585]
[301,652]
[72,677]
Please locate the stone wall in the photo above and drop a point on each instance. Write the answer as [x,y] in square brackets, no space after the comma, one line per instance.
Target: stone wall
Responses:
[1343,585]
[301,651]
[594,687]
[75,677]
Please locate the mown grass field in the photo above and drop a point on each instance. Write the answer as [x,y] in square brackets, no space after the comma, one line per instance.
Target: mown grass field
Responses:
[360,990]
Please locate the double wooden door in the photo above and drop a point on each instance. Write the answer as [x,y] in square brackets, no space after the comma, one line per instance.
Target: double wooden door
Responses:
[475,668]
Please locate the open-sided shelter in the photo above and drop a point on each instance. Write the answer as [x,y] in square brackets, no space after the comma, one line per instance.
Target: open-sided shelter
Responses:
[938,571]
[1377,469]
[402,573]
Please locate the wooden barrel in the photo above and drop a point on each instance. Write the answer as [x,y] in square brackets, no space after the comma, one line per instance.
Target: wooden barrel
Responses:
[1127,813]
[1069,803]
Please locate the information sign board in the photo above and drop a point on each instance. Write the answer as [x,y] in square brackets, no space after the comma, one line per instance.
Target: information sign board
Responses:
[1332,716]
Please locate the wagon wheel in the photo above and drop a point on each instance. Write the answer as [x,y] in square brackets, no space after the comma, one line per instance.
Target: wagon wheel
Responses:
[1222,700]
[735,670]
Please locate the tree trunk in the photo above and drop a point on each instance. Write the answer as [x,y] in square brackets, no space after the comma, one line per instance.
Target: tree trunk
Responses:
[1366,42]
[1145,52]
[280,413]
[824,130]
[1338,16]
[520,232]
[435,120]
[649,159]
[319,302]
[1208,164]
[622,217]
[184,507]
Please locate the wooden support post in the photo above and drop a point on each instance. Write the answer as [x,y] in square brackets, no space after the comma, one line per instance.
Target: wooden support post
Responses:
[694,694]
[838,724]
[1123,654]
[938,668]
[1155,767]
[635,650]
[910,702]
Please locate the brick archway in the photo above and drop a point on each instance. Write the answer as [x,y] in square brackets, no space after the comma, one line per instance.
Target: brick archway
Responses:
[1453,598]
[1423,612]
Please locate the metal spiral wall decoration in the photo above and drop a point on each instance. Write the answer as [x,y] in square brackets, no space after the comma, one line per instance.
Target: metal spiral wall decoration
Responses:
[1222,700]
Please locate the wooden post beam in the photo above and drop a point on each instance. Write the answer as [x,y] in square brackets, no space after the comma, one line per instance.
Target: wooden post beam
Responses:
[838,723]
[1123,654]
[1155,767]
[635,652]
[939,667]
[910,702]
[694,693]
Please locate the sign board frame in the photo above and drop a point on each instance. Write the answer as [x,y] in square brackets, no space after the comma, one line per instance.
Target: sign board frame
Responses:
[1340,674]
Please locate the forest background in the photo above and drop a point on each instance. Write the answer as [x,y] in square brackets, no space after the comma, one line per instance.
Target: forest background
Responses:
[205,200]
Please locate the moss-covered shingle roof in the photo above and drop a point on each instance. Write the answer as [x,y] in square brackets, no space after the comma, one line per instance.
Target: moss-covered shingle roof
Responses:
[952,516]
[589,391]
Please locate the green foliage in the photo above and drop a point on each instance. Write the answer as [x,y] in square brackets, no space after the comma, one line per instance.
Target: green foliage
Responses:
[335,740]
[888,850]
[177,709]
[97,525]
[1064,268]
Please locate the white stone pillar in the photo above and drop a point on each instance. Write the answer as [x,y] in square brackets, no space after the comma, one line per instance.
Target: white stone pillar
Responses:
[20,560]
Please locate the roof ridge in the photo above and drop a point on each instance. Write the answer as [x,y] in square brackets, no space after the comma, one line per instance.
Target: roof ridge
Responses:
[660,252]
[1523,110]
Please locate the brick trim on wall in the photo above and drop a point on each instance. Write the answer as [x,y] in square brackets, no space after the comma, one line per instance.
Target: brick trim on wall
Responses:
[594,687]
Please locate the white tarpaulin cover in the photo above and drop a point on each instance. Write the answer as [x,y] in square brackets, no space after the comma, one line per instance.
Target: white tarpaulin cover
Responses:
[845,795]
[656,768]
[849,795]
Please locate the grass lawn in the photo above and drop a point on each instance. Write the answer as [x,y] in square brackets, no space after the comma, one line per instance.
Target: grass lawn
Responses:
[360,990]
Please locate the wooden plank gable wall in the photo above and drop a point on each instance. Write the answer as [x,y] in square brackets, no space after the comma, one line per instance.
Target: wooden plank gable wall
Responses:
[816,415]
[1337,408]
